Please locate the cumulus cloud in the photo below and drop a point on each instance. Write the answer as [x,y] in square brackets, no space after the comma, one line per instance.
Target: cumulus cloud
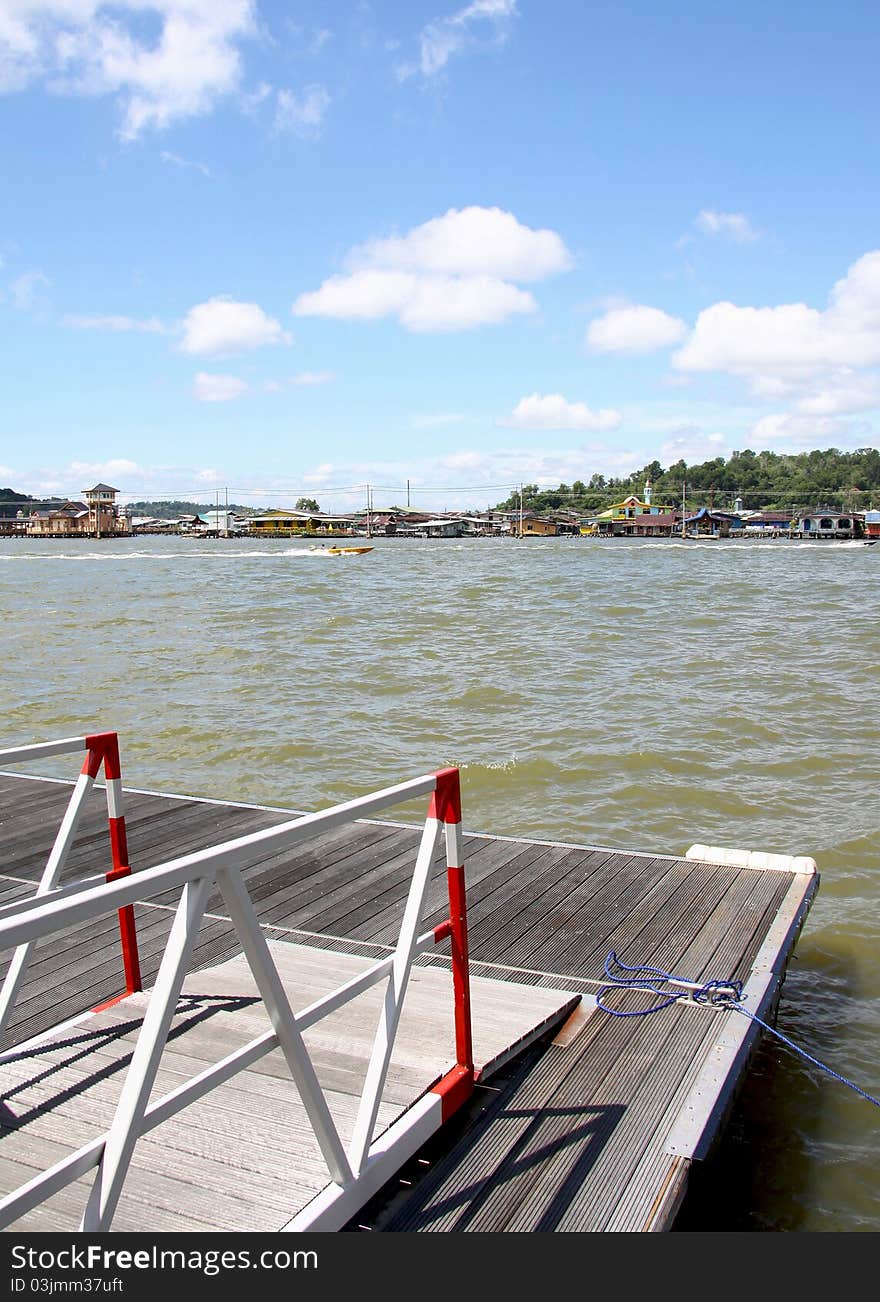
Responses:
[791,343]
[222,325]
[636,329]
[301,115]
[798,433]
[451,273]
[99,47]
[552,411]
[844,393]
[735,225]
[217,388]
[422,303]
[469,241]
[107,472]
[445,37]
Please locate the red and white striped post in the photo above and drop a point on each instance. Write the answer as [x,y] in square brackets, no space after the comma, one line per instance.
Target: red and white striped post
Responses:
[457,1085]
[103,748]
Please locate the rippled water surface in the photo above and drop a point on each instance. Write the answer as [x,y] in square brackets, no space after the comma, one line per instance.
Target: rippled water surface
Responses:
[633,694]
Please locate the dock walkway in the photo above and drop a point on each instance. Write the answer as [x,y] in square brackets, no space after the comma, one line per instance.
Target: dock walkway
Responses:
[586,1124]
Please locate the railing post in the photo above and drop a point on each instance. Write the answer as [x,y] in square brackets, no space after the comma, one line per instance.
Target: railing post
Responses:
[103,747]
[446,805]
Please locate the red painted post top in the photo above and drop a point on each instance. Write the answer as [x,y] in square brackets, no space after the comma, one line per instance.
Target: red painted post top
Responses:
[103,747]
[446,801]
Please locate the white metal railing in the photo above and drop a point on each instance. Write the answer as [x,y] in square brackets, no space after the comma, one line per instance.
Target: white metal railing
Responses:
[102,749]
[220,866]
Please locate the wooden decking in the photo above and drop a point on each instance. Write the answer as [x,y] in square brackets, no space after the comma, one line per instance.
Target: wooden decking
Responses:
[591,1128]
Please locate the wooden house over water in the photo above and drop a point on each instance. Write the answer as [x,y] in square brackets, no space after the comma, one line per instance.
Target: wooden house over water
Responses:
[826,523]
[531,525]
[98,516]
[291,524]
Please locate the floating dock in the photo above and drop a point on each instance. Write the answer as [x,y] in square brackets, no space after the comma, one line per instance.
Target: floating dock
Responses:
[503,1098]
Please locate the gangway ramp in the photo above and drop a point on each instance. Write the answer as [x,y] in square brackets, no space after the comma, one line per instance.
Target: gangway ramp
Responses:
[244,1157]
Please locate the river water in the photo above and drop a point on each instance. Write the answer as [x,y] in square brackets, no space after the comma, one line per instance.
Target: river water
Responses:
[637,694]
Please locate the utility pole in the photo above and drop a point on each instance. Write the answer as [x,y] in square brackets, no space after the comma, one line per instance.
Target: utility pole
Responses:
[369,509]
[520,510]
[226,516]
[407,494]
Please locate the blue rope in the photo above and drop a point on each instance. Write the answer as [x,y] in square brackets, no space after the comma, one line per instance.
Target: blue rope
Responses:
[711,992]
[726,994]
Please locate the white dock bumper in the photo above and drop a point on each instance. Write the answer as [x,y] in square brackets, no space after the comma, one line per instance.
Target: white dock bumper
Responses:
[785,863]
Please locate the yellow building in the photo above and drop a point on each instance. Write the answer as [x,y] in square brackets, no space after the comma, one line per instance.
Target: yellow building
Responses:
[287,524]
[620,518]
[533,526]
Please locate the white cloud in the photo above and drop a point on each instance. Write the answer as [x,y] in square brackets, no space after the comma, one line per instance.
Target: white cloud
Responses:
[167,157]
[792,343]
[451,273]
[798,433]
[304,380]
[552,411]
[95,47]
[27,290]
[108,472]
[446,303]
[445,37]
[690,444]
[467,242]
[250,101]
[843,394]
[636,329]
[133,479]
[217,388]
[148,325]
[222,325]
[301,115]
[423,304]
[735,225]
[751,339]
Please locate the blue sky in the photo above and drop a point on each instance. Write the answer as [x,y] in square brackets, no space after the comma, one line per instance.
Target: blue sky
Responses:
[280,249]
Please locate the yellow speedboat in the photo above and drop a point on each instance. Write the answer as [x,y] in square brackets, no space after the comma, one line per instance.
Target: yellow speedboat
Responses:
[341,551]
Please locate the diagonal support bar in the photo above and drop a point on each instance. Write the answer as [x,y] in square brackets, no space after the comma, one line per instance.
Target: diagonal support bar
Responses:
[256,950]
[127,1125]
[51,873]
[377,1069]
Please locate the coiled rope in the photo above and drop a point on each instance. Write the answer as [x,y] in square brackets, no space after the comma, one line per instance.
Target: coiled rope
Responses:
[718,994]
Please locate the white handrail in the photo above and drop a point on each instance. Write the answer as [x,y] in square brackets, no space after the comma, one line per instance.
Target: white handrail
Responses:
[198,874]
